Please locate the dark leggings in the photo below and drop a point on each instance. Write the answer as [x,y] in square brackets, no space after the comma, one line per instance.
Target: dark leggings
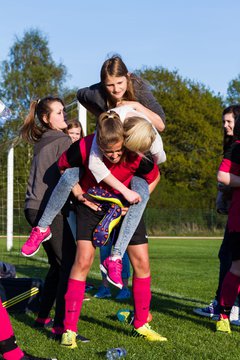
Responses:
[225,257]
[60,249]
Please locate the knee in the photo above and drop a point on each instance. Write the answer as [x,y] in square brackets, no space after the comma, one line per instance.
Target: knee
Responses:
[83,263]
[142,267]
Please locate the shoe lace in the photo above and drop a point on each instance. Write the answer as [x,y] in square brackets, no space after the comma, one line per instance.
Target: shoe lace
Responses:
[33,239]
[118,267]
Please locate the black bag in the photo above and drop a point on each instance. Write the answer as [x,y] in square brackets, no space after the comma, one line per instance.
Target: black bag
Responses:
[21,294]
[7,270]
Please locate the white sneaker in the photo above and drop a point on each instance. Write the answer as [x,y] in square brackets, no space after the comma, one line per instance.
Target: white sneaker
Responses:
[234,316]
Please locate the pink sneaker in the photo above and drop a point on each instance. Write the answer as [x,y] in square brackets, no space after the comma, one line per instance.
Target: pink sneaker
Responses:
[34,241]
[113,270]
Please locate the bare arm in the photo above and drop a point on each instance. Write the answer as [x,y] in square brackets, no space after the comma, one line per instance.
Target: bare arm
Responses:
[228,179]
[78,193]
[153,185]
[131,196]
[152,116]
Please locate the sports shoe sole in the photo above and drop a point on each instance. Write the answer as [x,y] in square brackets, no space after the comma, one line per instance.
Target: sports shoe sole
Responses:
[103,230]
[104,195]
[46,239]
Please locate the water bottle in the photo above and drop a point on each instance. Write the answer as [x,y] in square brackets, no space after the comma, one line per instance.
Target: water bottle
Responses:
[116,353]
[5,113]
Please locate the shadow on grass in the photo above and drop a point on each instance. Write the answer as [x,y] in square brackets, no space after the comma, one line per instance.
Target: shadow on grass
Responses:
[177,308]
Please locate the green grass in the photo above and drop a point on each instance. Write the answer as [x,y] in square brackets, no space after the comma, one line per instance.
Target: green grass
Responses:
[184,276]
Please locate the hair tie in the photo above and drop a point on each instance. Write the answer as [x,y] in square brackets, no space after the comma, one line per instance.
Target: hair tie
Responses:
[111,114]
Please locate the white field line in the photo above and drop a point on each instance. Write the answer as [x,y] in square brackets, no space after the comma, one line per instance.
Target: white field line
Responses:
[41,259]
[186,237]
[153,237]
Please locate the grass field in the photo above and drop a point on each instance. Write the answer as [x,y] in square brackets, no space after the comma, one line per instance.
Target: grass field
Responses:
[184,276]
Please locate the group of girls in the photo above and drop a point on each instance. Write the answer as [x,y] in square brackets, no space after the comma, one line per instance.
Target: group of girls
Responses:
[110,158]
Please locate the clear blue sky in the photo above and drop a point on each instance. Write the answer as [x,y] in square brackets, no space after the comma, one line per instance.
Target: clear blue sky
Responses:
[198,38]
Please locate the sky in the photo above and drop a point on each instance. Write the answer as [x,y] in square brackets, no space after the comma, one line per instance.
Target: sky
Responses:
[199,39]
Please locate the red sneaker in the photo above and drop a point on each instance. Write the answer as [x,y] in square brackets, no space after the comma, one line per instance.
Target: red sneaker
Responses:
[34,241]
[113,270]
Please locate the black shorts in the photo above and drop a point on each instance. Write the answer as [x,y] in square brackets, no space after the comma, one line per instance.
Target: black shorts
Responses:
[88,219]
[234,241]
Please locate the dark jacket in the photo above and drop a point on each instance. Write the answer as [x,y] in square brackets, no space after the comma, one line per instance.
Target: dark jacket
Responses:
[44,173]
[94,98]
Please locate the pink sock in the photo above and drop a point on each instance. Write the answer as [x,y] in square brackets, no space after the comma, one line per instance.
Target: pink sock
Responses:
[229,292]
[142,298]
[6,332]
[74,299]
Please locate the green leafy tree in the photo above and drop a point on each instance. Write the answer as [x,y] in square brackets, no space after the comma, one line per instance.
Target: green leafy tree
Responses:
[233,91]
[192,139]
[29,72]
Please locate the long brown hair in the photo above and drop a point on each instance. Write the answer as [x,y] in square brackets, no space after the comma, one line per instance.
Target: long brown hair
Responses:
[34,125]
[114,66]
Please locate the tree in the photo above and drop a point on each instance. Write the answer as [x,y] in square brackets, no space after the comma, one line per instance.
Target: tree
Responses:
[192,139]
[233,91]
[30,72]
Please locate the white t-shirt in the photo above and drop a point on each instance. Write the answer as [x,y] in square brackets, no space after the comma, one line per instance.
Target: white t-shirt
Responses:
[97,166]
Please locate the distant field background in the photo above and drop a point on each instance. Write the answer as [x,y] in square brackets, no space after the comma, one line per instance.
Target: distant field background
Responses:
[184,276]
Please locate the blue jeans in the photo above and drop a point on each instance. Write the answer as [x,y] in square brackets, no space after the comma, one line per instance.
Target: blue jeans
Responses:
[130,222]
[59,196]
[132,217]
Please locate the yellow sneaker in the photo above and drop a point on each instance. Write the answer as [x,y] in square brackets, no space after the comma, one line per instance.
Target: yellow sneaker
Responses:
[147,333]
[69,339]
[223,325]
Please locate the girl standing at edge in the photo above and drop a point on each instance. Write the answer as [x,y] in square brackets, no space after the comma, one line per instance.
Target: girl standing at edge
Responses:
[229,174]
[229,117]
[8,345]
[44,127]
